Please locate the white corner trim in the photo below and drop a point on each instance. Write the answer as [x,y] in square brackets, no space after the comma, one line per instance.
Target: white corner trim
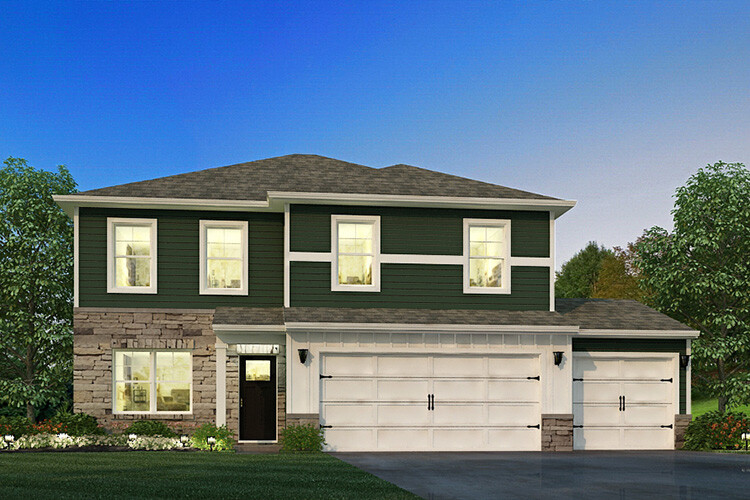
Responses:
[111,281]
[396,258]
[203,279]
[248,328]
[287,256]
[310,257]
[506,277]
[369,219]
[531,261]
[633,334]
[221,383]
[552,262]
[76,257]
[689,378]
[427,328]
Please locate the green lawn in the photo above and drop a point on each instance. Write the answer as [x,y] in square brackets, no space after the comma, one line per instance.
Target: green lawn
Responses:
[701,406]
[186,475]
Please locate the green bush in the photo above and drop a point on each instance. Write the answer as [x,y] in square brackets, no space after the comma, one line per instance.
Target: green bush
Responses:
[224,438]
[302,438]
[17,426]
[717,431]
[150,428]
[77,424]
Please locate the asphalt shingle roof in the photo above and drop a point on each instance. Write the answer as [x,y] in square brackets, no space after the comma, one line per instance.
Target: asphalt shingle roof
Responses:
[249,316]
[609,314]
[309,174]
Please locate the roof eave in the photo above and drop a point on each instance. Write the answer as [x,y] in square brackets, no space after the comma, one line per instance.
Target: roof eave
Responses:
[625,333]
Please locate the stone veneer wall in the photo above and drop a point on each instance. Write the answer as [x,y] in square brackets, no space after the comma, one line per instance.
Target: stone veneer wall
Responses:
[557,432]
[680,426]
[303,419]
[97,331]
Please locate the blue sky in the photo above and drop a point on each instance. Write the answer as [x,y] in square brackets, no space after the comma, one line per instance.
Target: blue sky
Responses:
[612,104]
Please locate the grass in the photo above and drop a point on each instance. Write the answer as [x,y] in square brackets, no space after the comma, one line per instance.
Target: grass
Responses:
[186,475]
[701,406]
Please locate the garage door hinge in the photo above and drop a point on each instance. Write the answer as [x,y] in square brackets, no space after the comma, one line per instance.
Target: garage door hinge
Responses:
[326,376]
[533,426]
[577,380]
[326,426]
[533,378]
[666,380]
[666,426]
[577,426]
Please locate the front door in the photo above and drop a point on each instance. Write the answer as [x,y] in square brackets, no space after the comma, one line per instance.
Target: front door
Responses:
[258,398]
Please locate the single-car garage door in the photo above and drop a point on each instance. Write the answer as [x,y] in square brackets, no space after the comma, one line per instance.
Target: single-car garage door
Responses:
[624,402]
[431,402]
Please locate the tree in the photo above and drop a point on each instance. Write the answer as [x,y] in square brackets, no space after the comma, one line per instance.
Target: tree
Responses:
[577,277]
[700,275]
[36,283]
[619,276]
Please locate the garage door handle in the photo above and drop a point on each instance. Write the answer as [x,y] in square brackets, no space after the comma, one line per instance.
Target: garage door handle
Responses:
[666,426]
[622,403]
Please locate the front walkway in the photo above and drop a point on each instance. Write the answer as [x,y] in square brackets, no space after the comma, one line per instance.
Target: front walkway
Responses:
[580,475]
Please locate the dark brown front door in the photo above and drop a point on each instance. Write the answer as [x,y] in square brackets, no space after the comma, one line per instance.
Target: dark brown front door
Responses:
[258,398]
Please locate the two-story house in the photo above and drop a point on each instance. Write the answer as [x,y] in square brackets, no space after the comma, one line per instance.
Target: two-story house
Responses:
[398,308]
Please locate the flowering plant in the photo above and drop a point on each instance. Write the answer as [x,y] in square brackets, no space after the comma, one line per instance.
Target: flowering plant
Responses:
[717,431]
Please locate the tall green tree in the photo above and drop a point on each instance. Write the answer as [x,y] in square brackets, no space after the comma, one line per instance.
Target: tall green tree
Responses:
[577,276]
[700,274]
[36,287]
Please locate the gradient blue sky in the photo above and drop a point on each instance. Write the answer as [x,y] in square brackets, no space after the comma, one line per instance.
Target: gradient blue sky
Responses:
[611,104]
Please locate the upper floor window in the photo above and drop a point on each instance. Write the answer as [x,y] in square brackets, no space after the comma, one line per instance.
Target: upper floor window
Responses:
[355,243]
[131,255]
[486,256]
[152,381]
[223,257]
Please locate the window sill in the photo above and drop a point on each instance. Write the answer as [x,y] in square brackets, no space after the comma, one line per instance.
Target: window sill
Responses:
[486,290]
[224,291]
[141,290]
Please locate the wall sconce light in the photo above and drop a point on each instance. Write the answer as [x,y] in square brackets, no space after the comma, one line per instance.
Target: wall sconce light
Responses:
[558,357]
[211,442]
[303,355]
[746,438]
[684,360]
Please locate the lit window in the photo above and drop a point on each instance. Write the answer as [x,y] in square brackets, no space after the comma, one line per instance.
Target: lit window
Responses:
[131,255]
[355,242]
[224,253]
[486,254]
[152,381]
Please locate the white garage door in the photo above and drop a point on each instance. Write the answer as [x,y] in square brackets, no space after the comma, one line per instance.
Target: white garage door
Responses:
[430,402]
[624,403]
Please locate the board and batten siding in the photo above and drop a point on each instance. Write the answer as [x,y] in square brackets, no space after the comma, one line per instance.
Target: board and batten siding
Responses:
[178,266]
[638,345]
[418,231]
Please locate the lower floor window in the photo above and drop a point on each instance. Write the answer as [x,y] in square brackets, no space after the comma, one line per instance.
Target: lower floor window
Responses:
[152,381]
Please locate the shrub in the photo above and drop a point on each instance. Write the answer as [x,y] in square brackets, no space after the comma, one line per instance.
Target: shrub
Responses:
[77,424]
[17,426]
[302,438]
[717,431]
[224,438]
[150,428]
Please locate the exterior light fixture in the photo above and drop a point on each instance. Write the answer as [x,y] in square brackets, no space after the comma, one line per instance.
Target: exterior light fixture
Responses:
[303,355]
[558,357]
[211,442]
[184,440]
[132,436]
[684,360]
[746,438]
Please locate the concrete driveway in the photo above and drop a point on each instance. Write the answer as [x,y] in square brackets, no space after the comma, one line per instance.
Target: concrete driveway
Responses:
[580,475]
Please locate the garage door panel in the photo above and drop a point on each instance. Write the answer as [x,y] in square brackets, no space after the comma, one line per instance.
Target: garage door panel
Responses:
[647,439]
[403,390]
[647,392]
[349,390]
[648,415]
[516,366]
[458,439]
[654,368]
[403,366]
[514,439]
[395,415]
[349,414]
[596,414]
[596,392]
[461,390]
[357,439]
[459,414]
[508,414]
[607,438]
[596,368]
[514,390]
[459,366]
[412,439]
[348,365]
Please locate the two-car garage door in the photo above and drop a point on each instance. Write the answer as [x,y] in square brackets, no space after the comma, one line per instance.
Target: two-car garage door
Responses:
[431,402]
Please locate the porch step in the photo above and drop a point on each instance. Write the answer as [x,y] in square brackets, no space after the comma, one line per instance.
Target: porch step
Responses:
[256,448]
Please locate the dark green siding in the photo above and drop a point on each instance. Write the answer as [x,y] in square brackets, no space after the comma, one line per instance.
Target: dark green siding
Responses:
[178,260]
[427,231]
[639,345]
[418,286]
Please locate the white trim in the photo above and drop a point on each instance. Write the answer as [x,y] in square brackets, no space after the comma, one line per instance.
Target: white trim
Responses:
[531,261]
[152,383]
[505,225]
[633,334]
[69,202]
[203,281]
[248,328]
[552,262]
[76,256]
[221,383]
[427,328]
[111,280]
[395,258]
[370,219]
[689,378]
[287,256]
[310,257]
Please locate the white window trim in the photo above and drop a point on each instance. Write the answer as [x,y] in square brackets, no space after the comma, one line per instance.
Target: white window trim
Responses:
[111,280]
[375,221]
[503,223]
[230,224]
[152,382]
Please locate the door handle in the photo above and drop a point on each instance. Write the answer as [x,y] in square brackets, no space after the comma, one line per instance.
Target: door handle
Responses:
[428,402]
[620,408]
[623,403]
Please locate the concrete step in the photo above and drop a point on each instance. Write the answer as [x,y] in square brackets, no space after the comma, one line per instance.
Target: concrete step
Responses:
[257,448]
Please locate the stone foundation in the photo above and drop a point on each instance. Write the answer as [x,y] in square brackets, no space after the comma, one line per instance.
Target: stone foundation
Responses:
[557,432]
[680,426]
[303,419]
[97,331]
